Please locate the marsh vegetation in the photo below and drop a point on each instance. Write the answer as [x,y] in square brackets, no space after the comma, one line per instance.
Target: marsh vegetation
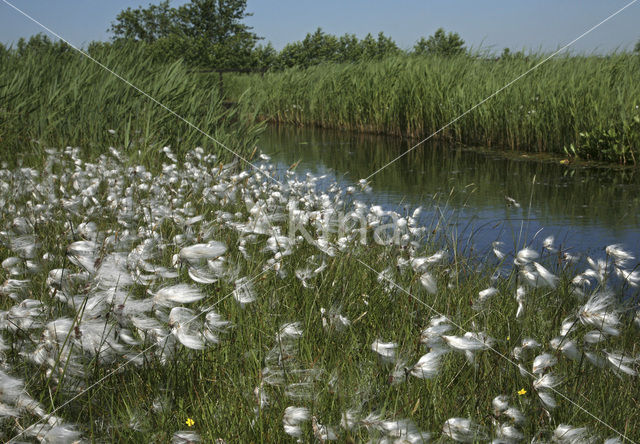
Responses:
[155,288]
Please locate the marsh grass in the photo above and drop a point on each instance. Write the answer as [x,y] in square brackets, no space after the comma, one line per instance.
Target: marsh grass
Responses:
[416,96]
[52,99]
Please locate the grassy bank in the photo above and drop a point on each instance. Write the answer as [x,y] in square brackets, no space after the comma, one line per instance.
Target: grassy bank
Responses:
[54,96]
[590,102]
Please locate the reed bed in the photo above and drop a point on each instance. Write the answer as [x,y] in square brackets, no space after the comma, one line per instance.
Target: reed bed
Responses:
[413,96]
[57,97]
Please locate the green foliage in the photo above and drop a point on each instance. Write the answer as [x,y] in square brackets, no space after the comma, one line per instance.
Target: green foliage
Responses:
[610,145]
[49,100]
[320,47]
[636,49]
[417,96]
[205,33]
[440,43]
[147,25]
[507,54]
[41,44]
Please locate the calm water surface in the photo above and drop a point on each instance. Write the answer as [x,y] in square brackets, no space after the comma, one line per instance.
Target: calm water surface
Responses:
[584,208]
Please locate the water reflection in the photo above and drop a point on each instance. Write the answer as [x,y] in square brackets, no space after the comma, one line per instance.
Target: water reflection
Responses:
[586,208]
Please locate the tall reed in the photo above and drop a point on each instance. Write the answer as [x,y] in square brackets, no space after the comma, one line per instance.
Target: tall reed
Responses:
[415,96]
[58,99]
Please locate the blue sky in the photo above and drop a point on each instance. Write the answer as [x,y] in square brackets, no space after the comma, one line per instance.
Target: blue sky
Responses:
[518,24]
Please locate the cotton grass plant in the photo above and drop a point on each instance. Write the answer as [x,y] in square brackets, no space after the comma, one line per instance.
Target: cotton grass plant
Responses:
[235,301]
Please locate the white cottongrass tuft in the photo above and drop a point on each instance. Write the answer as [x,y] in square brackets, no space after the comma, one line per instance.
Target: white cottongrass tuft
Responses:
[291,330]
[596,360]
[332,320]
[10,388]
[549,278]
[528,343]
[515,415]
[568,325]
[185,328]
[619,362]
[404,431]
[293,418]
[243,292]
[484,295]
[594,336]
[631,277]
[199,252]
[185,437]
[429,283]
[567,346]
[547,400]
[53,433]
[508,433]
[520,299]
[177,294]
[432,335]
[462,430]
[547,381]
[547,244]
[598,312]
[469,341]
[500,403]
[619,255]
[322,432]
[428,365]
[386,350]
[525,256]
[566,434]
[202,275]
[543,362]
[496,250]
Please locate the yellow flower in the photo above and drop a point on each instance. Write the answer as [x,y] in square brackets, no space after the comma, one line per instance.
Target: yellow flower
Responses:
[522,392]
[190,422]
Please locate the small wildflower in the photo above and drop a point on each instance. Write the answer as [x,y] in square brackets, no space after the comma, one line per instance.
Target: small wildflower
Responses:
[190,422]
[522,392]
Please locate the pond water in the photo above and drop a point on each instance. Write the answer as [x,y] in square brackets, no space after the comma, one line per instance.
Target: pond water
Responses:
[584,208]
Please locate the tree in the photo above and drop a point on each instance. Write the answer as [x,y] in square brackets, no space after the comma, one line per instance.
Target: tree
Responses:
[440,43]
[319,47]
[377,48]
[507,54]
[264,57]
[147,25]
[207,33]
[637,47]
[349,48]
[40,43]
